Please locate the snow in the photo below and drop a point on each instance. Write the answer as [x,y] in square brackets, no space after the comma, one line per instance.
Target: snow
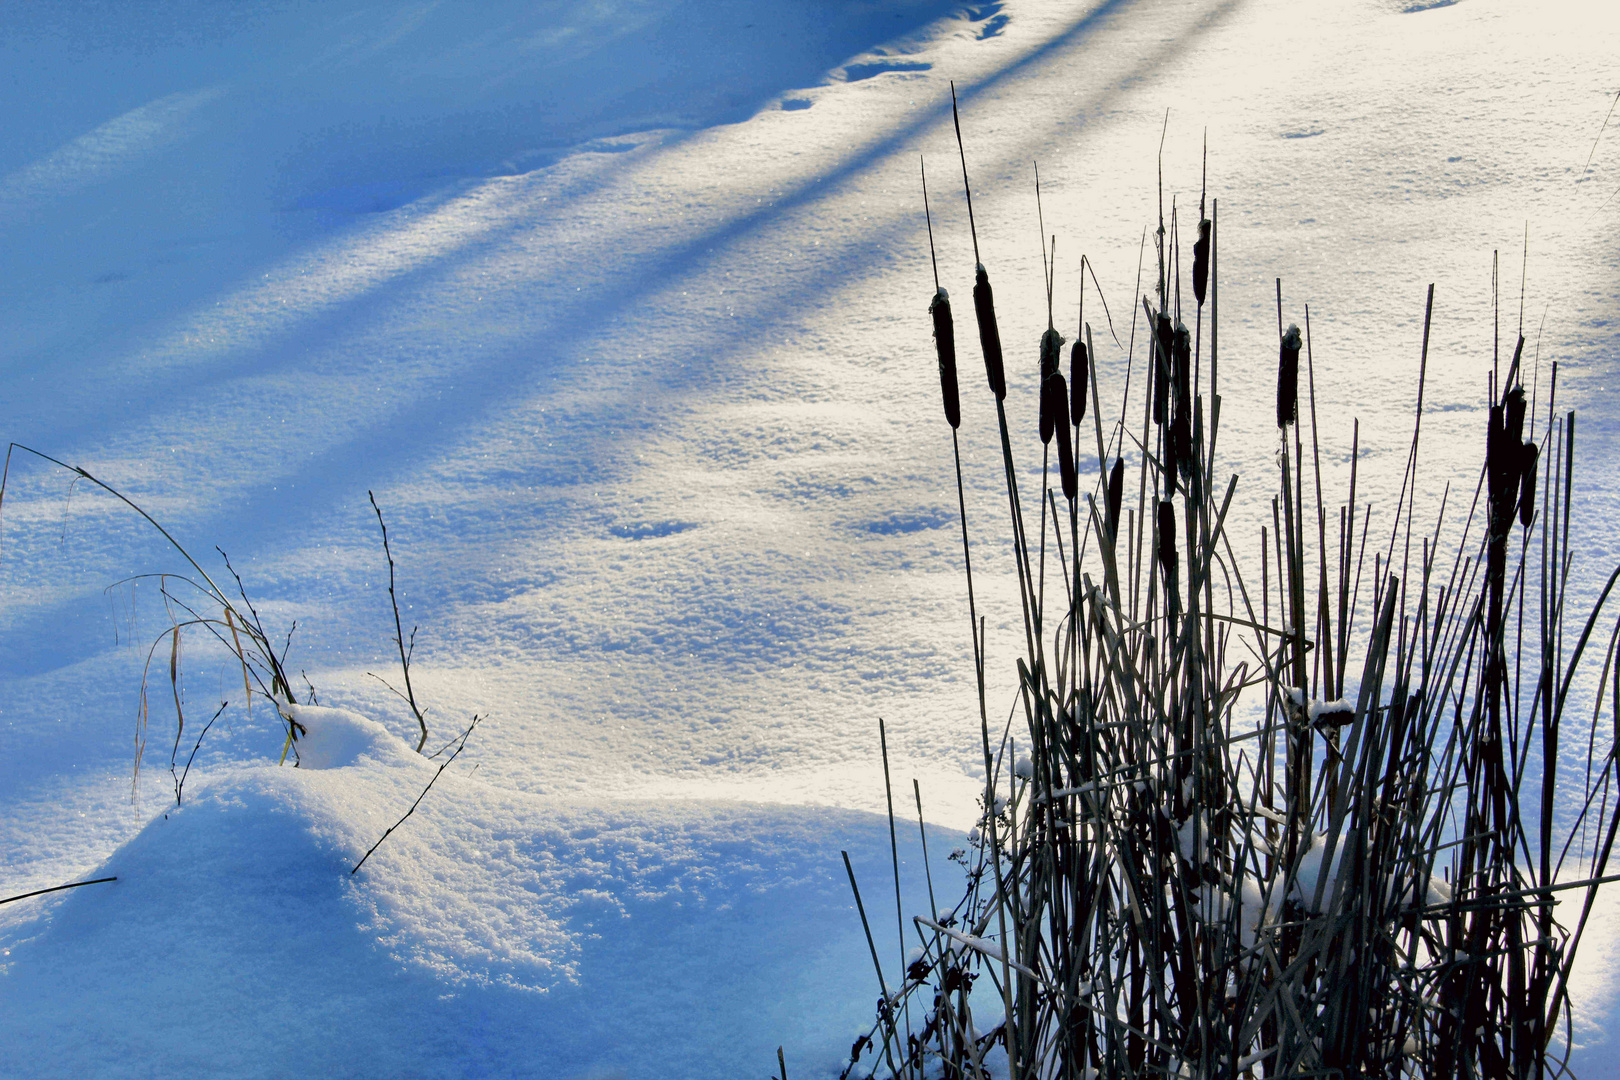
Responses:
[620,309]
[1313,886]
[1317,709]
[1256,906]
[493,931]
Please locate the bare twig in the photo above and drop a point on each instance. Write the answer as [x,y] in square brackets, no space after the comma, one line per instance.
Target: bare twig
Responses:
[56,888]
[409,696]
[180,781]
[459,748]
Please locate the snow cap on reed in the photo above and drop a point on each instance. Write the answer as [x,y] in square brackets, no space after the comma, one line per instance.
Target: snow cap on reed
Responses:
[1051,353]
[1288,378]
[945,350]
[984,309]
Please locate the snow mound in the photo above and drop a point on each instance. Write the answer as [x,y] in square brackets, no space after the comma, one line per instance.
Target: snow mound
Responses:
[236,941]
[338,738]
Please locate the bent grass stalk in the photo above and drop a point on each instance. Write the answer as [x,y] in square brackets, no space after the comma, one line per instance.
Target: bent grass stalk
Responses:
[262,666]
[199,602]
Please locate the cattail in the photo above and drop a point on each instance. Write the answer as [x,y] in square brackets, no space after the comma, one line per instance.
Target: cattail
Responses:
[1178,447]
[1288,378]
[1116,494]
[1180,436]
[1059,393]
[1201,261]
[1167,532]
[1079,379]
[1504,461]
[984,307]
[1528,463]
[945,348]
[1172,453]
[1513,418]
[1181,368]
[1051,351]
[1163,342]
[1167,551]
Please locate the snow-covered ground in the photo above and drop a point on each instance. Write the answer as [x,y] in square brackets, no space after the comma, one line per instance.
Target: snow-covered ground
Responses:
[620,309]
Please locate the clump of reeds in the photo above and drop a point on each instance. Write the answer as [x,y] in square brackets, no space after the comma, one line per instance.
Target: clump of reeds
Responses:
[198,608]
[1361,883]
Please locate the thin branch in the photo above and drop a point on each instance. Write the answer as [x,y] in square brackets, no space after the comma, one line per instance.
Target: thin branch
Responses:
[56,888]
[419,798]
[399,632]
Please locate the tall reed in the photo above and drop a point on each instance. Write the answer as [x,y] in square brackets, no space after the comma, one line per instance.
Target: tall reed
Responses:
[1360,882]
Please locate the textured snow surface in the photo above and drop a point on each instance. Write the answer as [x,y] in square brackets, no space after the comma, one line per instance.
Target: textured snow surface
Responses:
[620,309]
[494,933]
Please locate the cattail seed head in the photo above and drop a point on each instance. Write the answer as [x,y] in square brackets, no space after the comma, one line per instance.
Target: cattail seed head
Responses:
[1116,494]
[1178,460]
[1171,460]
[1051,352]
[1167,551]
[1167,531]
[1504,460]
[1181,368]
[1178,441]
[1201,261]
[945,350]
[1079,379]
[984,309]
[1163,344]
[1513,419]
[1060,423]
[1527,484]
[1288,378]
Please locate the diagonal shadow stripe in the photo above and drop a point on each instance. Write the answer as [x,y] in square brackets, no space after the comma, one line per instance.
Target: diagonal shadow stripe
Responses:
[451,404]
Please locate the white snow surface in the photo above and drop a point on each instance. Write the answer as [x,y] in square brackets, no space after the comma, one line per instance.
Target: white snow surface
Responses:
[621,311]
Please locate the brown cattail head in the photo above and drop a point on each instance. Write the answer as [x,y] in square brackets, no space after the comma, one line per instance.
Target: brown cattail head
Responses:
[984,308]
[1167,532]
[1163,344]
[1079,379]
[1528,463]
[1503,461]
[1051,353]
[1178,456]
[1288,378]
[1167,551]
[1060,423]
[1178,439]
[1513,418]
[1181,368]
[945,350]
[1201,261]
[1116,494]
